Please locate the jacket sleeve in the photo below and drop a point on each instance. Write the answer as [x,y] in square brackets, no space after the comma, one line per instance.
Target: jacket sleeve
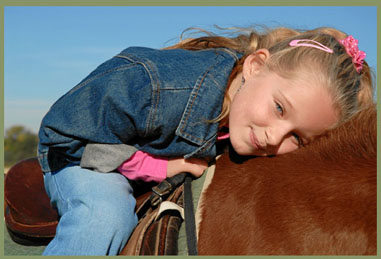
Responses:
[134,164]
[114,105]
[105,158]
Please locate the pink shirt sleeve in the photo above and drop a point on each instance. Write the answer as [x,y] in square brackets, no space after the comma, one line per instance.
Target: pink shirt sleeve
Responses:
[146,167]
[222,135]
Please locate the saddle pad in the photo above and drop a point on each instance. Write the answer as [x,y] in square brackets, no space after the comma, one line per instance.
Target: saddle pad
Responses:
[199,185]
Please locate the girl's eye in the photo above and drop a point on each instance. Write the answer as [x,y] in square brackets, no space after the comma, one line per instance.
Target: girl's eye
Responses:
[279,108]
[298,139]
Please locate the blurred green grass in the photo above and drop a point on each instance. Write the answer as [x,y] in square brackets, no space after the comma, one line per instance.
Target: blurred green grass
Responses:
[12,248]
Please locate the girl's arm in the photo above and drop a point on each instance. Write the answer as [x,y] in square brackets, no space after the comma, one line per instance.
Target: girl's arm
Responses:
[146,167]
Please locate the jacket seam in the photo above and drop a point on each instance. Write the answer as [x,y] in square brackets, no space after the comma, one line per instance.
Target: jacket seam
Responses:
[156,98]
[192,102]
[190,109]
[100,75]
[206,146]
[155,91]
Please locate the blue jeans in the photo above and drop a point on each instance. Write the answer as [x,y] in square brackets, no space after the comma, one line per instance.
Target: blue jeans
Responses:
[97,211]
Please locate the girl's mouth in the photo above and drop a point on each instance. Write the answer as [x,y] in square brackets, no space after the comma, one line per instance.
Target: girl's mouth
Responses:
[254,141]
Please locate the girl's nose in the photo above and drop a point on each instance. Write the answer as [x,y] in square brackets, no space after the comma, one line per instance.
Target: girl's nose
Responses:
[275,135]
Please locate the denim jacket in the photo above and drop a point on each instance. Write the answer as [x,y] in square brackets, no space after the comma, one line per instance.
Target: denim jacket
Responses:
[158,101]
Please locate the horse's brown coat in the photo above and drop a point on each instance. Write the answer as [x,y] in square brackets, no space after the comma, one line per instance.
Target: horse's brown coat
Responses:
[319,200]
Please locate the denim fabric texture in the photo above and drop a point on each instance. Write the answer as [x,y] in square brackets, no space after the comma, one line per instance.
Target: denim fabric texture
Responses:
[158,101]
[96,219]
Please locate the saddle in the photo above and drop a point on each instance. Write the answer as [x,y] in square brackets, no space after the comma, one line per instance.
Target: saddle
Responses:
[31,220]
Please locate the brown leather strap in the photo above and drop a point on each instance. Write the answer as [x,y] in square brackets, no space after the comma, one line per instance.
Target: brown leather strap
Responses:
[161,191]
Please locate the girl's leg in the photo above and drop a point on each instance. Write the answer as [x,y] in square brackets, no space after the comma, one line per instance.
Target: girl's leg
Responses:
[96,209]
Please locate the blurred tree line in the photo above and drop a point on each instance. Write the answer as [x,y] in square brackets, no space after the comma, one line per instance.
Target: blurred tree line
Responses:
[19,144]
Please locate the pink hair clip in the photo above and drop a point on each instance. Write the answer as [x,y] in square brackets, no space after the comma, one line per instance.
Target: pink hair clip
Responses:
[351,46]
[316,45]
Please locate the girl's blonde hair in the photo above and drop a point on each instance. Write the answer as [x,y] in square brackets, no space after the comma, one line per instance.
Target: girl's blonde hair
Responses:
[351,91]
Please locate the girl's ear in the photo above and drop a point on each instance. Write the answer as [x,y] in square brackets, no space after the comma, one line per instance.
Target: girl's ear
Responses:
[254,62]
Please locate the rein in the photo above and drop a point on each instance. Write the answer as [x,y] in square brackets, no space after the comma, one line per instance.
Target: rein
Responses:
[164,189]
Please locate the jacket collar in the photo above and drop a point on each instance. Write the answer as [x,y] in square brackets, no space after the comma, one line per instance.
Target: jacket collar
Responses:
[206,98]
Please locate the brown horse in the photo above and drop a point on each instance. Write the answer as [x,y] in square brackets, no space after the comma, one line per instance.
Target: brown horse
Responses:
[320,200]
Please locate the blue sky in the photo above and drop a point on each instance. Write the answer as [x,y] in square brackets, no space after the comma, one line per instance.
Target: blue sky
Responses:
[48,50]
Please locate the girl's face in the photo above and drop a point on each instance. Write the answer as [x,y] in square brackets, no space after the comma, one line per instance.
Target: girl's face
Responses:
[272,115]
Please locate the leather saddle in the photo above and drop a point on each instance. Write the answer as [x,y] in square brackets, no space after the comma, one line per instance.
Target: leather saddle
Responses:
[31,220]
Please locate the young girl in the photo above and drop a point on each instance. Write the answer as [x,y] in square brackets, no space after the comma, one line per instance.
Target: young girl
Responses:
[150,114]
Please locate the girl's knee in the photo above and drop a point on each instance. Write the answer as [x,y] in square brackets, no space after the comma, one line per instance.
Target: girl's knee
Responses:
[116,215]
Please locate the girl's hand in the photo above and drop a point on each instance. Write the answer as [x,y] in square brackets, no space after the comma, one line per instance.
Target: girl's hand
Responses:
[195,166]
